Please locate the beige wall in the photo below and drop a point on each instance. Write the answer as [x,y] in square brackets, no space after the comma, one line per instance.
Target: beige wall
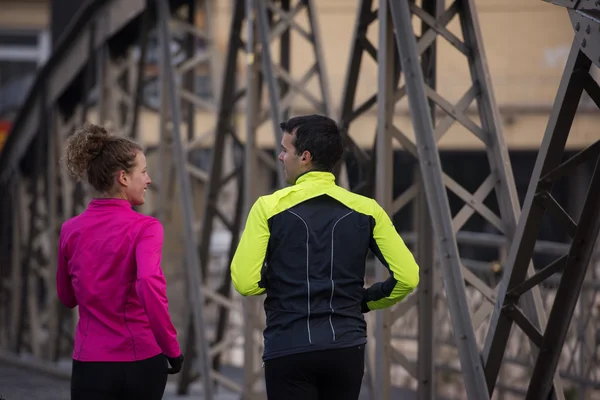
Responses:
[526,43]
[24,14]
[525,57]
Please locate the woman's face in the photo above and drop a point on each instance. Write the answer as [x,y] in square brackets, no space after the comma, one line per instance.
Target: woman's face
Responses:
[137,180]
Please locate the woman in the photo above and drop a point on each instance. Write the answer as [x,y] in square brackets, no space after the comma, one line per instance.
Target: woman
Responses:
[109,265]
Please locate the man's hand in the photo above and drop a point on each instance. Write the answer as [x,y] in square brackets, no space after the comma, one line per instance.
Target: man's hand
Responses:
[176,363]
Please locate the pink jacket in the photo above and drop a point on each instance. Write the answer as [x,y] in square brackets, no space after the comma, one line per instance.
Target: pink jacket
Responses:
[109,265]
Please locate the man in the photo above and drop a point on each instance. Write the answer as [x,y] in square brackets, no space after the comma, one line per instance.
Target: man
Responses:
[305,246]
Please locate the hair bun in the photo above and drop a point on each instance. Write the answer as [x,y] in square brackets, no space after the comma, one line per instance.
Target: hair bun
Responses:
[96,137]
[83,147]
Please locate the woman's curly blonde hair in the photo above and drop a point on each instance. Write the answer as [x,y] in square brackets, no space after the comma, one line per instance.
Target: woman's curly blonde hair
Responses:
[93,154]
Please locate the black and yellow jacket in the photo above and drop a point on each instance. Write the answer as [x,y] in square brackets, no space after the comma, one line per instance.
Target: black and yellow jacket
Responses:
[306,246]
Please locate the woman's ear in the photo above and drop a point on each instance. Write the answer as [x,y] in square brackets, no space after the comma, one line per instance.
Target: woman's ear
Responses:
[122,178]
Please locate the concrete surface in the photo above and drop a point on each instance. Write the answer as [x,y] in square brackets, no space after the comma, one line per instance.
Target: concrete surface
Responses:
[19,383]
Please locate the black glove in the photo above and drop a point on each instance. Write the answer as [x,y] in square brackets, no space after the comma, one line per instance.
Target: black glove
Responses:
[176,363]
[363,304]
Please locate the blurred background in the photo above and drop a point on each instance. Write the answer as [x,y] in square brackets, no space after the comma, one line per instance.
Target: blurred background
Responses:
[526,46]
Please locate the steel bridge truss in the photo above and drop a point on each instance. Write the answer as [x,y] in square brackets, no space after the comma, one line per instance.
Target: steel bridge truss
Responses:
[103,71]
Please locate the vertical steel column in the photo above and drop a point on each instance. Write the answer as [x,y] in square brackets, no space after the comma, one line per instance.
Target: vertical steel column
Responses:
[383,190]
[431,168]
[284,54]
[189,77]
[52,182]
[7,249]
[254,75]
[33,191]
[16,278]
[138,76]
[359,46]
[63,127]
[214,209]
[425,249]
[425,254]
[262,25]
[326,106]
[194,278]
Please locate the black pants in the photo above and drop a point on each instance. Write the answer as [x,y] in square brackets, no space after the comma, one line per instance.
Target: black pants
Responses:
[144,379]
[323,375]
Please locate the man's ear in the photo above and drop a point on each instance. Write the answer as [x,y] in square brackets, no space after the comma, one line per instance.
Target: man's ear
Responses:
[306,156]
[122,178]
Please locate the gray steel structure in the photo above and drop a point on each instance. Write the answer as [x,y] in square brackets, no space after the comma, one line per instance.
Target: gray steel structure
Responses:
[94,67]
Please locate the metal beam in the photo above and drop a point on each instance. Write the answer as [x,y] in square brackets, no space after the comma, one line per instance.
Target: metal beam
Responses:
[569,290]
[194,278]
[549,167]
[423,98]
[383,191]
[267,23]
[66,62]
[425,250]
[438,202]
[216,184]
[45,329]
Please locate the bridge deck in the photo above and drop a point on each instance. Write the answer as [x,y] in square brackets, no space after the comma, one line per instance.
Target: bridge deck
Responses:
[22,383]
[18,383]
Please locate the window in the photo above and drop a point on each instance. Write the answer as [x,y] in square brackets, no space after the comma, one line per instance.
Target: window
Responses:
[21,54]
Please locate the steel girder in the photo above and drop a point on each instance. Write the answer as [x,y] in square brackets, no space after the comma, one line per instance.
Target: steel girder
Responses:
[121,79]
[582,229]
[91,77]
[40,195]
[255,26]
[403,54]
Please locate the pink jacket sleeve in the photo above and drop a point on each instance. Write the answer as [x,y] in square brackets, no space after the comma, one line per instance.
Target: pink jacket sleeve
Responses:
[151,287]
[64,288]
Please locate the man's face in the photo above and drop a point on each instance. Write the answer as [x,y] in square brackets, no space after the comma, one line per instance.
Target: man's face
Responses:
[293,164]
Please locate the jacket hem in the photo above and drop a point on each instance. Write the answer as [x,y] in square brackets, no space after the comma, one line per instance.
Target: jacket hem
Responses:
[315,347]
[118,357]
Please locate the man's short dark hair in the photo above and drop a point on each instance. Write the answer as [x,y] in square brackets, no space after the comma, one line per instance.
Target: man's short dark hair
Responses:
[320,136]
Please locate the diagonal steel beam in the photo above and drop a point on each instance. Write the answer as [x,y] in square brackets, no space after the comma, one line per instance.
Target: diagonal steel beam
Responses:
[568,292]
[549,157]
[471,366]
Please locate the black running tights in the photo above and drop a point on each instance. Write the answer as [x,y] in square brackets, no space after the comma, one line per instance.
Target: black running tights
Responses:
[144,379]
[323,375]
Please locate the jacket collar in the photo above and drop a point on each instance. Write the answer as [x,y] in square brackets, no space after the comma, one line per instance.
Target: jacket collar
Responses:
[109,202]
[316,177]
